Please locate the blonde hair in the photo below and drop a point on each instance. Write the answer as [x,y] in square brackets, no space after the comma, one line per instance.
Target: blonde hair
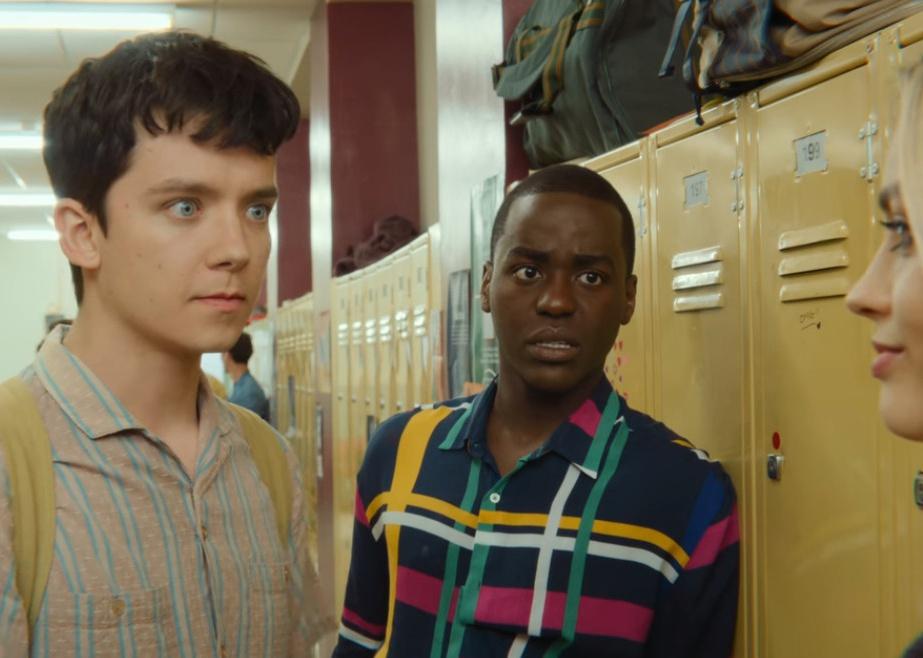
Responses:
[907,144]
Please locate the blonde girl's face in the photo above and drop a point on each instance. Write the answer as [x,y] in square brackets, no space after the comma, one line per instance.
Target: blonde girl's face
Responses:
[890,294]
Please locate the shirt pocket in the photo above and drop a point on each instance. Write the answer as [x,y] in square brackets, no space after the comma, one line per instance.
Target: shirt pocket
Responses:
[111,622]
[270,608]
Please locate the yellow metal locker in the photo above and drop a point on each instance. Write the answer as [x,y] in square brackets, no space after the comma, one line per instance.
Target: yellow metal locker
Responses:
[384,402]
[629,363]
[816,423]
[422,373]
[403,307]
[699,359]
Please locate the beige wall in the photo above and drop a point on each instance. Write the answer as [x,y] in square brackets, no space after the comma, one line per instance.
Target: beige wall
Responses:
[35,280]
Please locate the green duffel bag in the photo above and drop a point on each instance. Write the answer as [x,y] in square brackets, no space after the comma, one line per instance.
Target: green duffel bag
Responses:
[586,75]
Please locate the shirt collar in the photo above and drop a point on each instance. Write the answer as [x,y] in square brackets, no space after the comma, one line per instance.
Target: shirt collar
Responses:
[572,439]
[90,404]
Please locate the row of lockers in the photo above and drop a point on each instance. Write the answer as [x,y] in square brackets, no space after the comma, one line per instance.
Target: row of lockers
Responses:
[751,229]
[385,322]
[295,388]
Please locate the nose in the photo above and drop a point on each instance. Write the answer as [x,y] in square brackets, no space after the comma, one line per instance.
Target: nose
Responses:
[557,296]
[870,297]
[231,250]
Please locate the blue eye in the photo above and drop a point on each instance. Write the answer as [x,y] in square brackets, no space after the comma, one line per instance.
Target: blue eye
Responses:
[184,208]
[258,212]
[901,230]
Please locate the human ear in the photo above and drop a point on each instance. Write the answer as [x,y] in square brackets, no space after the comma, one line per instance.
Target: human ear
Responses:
[631,293]
[486,275]
[80,233]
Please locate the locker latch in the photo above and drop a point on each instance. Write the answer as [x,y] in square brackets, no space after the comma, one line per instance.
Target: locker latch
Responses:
[774,467]
[867,133]
[737,176]
[918,489]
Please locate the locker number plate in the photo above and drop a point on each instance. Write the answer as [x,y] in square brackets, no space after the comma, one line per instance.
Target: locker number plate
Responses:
[811,153]
[696,189]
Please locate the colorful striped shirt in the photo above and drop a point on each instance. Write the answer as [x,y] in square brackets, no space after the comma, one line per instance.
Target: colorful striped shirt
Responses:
[616,538]
[149,561]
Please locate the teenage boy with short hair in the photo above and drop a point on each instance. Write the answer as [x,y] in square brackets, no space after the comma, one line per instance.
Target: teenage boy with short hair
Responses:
[165,543]
[543,516]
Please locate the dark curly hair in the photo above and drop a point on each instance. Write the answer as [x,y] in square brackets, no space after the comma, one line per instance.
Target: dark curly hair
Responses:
[161,82]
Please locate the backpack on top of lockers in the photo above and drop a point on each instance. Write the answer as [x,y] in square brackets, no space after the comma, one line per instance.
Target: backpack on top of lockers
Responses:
[737,44]
[586,75]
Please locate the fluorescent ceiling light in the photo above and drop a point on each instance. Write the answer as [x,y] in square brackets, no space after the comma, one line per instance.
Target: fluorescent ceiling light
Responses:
[21,142]
[27,200]
[33,235]
[60,16]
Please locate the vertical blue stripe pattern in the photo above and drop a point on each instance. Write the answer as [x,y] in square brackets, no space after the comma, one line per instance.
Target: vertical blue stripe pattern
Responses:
[149,560]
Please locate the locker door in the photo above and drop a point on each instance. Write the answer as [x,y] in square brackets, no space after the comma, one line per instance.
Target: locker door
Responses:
[628,364]
[283,368]
[370,288]
[699,358]
[818,520]
[385,342]
[422,347]
[344,481]
[306,422]
[403,357]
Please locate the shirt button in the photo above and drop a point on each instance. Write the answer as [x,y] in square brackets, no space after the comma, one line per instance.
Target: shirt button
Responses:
[224,652]
[204,532]
[495,498]
[118,607]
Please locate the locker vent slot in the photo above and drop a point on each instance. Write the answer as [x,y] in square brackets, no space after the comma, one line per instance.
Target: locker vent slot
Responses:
[343,334]
[814,289]
[837,230]
[698,279]
[384,328]
[419,320]
[686,303]
[700,257]
[357,332]
[813,262]
[370,331]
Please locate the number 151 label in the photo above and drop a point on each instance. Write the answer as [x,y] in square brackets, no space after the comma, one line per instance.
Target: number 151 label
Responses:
[811,153]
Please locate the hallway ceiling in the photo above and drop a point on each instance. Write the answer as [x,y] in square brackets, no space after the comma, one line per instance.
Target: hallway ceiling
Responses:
[33,63]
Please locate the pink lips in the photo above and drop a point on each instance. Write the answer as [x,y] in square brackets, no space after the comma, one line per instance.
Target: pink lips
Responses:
[883,363]
[224,302]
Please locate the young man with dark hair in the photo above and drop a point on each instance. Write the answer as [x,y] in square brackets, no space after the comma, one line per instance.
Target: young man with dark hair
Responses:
[166,538]
[247,392]
[543,516]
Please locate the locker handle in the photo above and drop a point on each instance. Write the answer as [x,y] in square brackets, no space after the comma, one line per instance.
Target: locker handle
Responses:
[774,466]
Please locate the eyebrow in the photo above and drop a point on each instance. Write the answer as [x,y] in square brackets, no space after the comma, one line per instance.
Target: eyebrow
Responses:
[579,260]
[888,196]
[183,186]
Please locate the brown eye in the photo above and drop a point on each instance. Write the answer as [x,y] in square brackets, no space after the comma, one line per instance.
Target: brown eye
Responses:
[591,278]
[527,273]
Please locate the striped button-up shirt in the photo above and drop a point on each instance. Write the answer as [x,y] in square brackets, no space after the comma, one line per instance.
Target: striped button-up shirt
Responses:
[616,538]
[149,560]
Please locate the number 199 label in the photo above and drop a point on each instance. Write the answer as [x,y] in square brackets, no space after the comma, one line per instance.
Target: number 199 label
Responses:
[811,153]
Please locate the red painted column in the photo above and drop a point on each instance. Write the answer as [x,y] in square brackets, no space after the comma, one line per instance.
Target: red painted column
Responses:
[373,117]
[294,226]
